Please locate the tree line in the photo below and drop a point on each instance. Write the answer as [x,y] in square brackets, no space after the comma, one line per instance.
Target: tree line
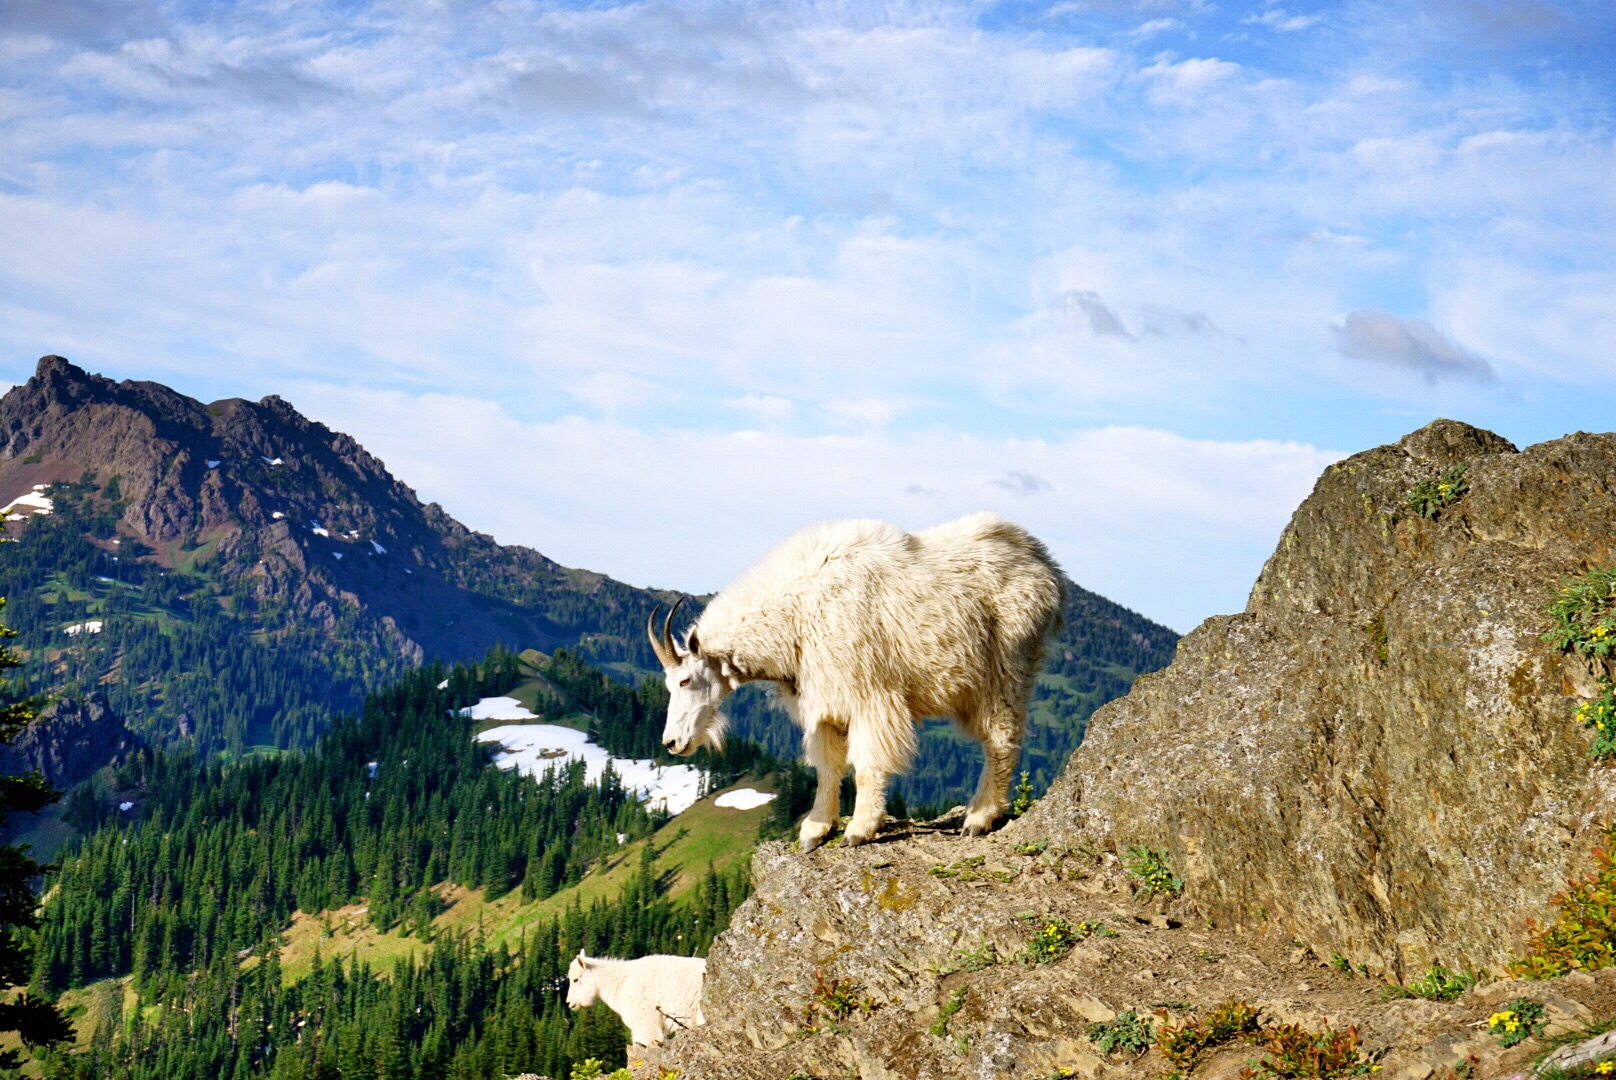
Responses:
[189,892]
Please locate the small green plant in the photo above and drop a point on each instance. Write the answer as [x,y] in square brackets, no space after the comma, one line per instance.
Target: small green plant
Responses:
[33,459]
[1023,800]
[1293,1053]
[1583,616]
[1600,714]
[1341,964]
[985,955]
[1129,1033]
[837,998]
[945,1013]
[1376,629]
[1437,984]
[1516,1022]
[1183,1044]
[1464,1070]
[1150,869]
[1054,937]
[593,1069]
[1583,938]
[1037,847]
[966,869]
[1051,941]
[1432,495]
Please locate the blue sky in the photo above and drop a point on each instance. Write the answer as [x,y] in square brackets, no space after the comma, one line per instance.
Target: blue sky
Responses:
[646,286]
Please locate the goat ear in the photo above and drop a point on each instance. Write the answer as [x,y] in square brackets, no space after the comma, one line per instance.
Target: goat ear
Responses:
[691,644]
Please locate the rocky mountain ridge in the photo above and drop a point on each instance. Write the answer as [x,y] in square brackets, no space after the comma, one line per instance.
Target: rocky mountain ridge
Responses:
[302,516]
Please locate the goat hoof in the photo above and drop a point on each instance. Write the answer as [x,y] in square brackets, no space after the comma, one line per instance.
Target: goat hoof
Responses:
[979,823]
[812,835]
[857,834]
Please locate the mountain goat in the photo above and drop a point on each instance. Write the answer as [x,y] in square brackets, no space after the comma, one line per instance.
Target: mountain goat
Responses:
[865,629]
[655,995]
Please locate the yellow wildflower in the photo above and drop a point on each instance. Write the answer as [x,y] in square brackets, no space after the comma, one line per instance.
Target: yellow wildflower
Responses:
[1605,1068]
[1599,632]
[1498,1019]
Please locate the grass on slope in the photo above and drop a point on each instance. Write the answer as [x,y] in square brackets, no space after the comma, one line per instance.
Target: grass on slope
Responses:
[703,834]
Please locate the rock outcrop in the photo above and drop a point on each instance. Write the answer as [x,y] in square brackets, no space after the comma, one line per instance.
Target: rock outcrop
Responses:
[1379,755]
[69,740]
[1373,768]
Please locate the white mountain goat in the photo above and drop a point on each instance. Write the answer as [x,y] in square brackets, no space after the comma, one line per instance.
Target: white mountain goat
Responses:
[865,629]
[655,995]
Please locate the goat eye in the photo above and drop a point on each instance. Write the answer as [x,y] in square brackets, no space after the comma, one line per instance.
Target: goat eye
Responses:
[685,681]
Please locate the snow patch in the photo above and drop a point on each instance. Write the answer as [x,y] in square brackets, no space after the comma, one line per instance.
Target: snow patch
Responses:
[744,799]
[371,767]
[274,462]
[533,748]
[338,555]
[277,515]
[36,500]
[126,806]
[498,708]
[212,464]
[318,530]
[444,685]
[379,549]
[91,627]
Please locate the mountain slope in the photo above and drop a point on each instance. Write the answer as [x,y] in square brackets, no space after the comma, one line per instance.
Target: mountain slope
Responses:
[233,573]
[303,515]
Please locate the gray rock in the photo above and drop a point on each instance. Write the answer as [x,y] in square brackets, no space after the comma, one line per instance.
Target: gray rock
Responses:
[1378,756]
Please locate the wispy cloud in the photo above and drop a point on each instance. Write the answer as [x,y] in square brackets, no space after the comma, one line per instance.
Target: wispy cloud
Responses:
[877,223]
[1412,344]
[1277,18]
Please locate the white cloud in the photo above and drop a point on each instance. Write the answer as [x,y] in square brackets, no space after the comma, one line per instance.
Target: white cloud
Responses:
[766,407]
[1278,18]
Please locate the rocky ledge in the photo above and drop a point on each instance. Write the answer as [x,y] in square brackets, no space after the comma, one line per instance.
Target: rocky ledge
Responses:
[850,962]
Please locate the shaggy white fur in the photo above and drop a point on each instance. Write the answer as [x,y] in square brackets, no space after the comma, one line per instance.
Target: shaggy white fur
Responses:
[655,995]
[865,629]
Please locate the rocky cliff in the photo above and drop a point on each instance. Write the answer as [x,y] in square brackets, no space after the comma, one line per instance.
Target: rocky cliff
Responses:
[1379,754]
[69,740]
[1373,768]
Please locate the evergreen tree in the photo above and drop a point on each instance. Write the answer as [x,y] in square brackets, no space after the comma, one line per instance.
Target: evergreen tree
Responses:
[36,1021]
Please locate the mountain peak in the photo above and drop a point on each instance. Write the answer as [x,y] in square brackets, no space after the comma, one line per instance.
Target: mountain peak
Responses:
[53,364]
[290,516]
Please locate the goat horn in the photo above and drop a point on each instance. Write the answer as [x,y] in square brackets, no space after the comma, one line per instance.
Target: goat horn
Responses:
[667,631]
[659,645]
